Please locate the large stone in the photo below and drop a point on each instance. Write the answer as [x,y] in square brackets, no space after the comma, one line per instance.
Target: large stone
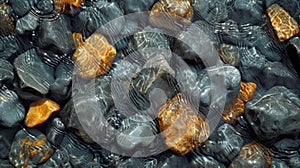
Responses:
[275,114]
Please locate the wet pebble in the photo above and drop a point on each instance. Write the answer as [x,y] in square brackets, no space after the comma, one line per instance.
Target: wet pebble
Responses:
[167,160]
[5,164]
[171,14]
[55,33]
[274,114]
[6,137]
[182,127]
[277,163]
[131,6]
[226,146]
[58,159]
[45,5]
[12,110]
[8,46]
[21,7]
[138,163]
[28,22]
[33,73]
[39,111]
[55,131]
[79,153]
[6,71]
[252,155]
[29,148]
[245,12]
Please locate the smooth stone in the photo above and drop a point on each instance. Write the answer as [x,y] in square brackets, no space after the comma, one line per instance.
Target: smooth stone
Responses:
[211,10]
[29,148]
[136,137]
[245,12]
[114,117]
[6,71]
[55,34]
[6,137]
[79,153]
[226,146]
[252,155]
[138,162]
[132,6]
[293,49]
[58,159]
[274,114]
[33,73]
[9,45]
[29,22]
[12,111]
[55,131]
[205,161]
[98,14]
[109,159]
[63,77]
[21,7]
[45,5]
[251,63]
[276,74]
[248,35]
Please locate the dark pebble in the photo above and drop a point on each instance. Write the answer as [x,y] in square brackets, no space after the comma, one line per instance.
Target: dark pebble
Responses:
[5,164]
[204,162]
[6,137]
[21,7]
[12,110]
[8,46]
[293,50]
[275,114]
[33,73]
[6,71]
[55,131]
[132,6]
[58,159]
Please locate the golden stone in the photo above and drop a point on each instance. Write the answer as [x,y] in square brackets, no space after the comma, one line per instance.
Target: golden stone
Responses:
[236,107]
[284,25]
[181,126]
[252,155]
[7,26]
[40,111]
[66,6]
[171,14]
[93,57]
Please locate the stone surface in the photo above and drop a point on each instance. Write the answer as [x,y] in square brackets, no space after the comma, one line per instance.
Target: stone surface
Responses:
[230,54]
[29,148]
[182,127]
[39,112]
[252,155]
[171,14]
[226,146]
[205,161]
[94,57]
[67,6]
[6,71]
[275,114]
[58,159]
[132,6]
[33,73]
[293,49]
[12,111]
[21,7]
[236,107]
[284,25]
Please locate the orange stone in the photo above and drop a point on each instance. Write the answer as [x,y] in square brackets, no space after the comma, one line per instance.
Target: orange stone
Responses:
[182,127]
[284,25]
[232,110]
[247,91]
[77,38]
[65,6]
[252,155]
[236,107]
[170,14]
[7,26]
[40,111]
[94,57]
[31,149]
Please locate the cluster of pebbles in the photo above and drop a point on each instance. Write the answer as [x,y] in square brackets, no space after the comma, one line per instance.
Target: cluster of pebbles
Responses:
[48,46]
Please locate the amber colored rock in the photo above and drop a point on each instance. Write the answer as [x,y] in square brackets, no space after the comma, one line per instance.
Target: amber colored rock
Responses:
[284,25]
[236,107]
[77,38]
[247,91]
[182,127]
[232,110]
[7,26]
[252,155]
[65,6]
[40,111]
[171,14]
[94,57]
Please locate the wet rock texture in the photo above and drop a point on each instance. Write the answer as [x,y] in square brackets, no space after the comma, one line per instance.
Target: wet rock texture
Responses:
[149,83]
